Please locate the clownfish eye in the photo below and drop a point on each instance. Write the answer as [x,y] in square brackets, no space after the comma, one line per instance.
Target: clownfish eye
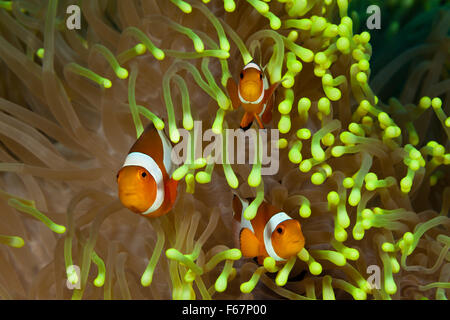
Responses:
[241,75]
[143,174]
[260,76]
[280,230]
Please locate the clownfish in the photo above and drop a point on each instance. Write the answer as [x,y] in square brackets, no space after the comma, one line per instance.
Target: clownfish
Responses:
[144,181]
[272,233]
[254,94]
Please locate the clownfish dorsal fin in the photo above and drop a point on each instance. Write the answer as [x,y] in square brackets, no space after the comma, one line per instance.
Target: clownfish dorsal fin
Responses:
[257,55]
[167,152]
[264,69]
[249,243]
[166,145]
[239,206]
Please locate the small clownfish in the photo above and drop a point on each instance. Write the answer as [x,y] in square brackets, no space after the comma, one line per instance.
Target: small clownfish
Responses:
[144,181]
[254,94]
[272,233]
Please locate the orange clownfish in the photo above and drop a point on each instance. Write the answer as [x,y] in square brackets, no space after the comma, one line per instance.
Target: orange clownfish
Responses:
[272,233]
[254,94]
[145,183]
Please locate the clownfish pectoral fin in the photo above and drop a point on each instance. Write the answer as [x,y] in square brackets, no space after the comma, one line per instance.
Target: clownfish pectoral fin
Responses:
[267,115]
[259,121]
[269,92]
[247,127]
[233,93]
[249,243]
[260,260]
[171,190]
[246,121]
[268,100]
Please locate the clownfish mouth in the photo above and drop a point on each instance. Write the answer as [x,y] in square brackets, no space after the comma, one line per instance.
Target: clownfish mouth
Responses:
[128,192]
[134,209]
[296,243]
[132,206]
[130,200]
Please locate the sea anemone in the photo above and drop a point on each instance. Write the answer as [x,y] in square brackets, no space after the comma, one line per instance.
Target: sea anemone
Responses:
[363,148]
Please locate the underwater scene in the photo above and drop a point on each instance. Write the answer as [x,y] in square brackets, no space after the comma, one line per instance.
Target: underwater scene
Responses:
[224,149]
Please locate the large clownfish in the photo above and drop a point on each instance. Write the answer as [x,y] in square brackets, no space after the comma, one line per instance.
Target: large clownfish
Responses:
[144,181]
[272,233]
[254,94]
